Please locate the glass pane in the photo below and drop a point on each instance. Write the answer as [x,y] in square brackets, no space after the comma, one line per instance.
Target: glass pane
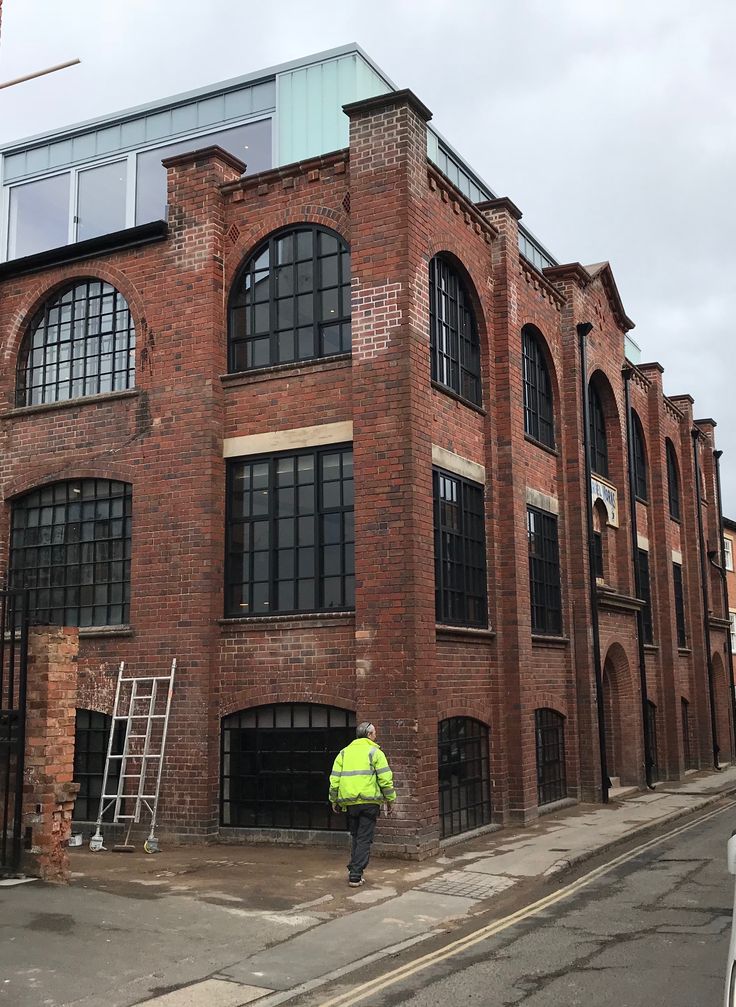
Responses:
[101,200]
[39,216]
[251,143]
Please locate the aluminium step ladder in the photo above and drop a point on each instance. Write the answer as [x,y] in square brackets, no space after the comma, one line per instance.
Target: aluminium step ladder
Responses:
[132,778]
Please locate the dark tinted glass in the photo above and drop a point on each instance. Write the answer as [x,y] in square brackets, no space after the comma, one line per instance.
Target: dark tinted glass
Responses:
[538,414]
[459,551]
[465,796]
[544,572]
[453,333]
[597,433]
[550,735]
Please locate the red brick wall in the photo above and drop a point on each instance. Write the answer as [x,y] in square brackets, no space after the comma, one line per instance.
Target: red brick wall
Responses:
[388,662]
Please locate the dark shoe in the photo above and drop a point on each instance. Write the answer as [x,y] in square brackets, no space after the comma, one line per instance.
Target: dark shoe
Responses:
[355,881]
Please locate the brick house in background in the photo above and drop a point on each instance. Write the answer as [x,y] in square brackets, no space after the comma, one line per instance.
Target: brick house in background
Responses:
[319,432]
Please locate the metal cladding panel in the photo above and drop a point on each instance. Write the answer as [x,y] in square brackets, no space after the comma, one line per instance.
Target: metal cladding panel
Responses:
[632,350]
[311,119]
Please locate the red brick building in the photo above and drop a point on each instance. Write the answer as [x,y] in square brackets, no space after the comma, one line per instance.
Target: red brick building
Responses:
[327,448]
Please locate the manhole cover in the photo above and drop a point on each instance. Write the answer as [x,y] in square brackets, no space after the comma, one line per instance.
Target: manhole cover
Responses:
[467,884]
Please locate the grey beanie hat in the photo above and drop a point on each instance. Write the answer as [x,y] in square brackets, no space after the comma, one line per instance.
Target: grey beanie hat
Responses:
[362,730]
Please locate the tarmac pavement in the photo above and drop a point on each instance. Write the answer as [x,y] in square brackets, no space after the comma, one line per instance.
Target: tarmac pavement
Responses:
[233,925]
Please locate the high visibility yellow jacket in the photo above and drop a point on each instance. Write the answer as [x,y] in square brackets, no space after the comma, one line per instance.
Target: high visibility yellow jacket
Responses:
[361,775]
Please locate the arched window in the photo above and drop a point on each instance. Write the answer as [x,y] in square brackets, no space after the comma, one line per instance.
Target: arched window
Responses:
[465,797]
[597,432]
[81,342]
[538,412]
[291,301]
[453,333]
[550,732]
[70,545]
[640,459]
[673,481]
[275,764]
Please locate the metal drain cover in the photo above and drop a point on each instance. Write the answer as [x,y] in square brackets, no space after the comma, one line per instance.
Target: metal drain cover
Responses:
[467,884]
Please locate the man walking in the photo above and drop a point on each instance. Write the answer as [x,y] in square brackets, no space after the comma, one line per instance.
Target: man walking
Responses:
[360,781]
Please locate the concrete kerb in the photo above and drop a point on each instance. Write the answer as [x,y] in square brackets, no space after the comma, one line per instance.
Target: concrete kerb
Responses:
[569,863]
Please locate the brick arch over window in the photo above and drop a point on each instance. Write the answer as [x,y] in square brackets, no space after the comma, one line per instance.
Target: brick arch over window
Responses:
[255,695]
[80,342]
[291,300]
[454,340]
[36,297]
[310,216]
[539,386]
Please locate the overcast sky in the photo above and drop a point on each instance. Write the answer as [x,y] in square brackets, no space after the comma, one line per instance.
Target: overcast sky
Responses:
[611,124]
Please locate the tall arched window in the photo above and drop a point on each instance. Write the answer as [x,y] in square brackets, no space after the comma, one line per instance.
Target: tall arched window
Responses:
[597,432]
[81,342]
[538,407]
[550,733]
[70,546]
[640,458]
[453,333]
[275,764]
[291,301]
[465,797]
[673,481]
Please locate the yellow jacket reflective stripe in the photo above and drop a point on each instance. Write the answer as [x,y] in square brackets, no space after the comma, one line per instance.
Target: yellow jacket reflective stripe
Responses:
[361,775]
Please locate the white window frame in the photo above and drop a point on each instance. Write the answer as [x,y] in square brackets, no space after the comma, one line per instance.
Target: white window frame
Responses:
[732,620]
[728,552]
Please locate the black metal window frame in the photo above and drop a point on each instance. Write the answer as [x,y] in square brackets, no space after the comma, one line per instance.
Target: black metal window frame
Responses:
[686,736]
[290,533]
[545,586]
[80,343]
[597,433]
[291,301]
[549,726]
[453,333]
[653,747]
[275,761]
[598,570]
[70,546]
[91,737]
[679,605]
[645,593]
[464,777]
[640,459]
[459,551]
[673,481]
[538,400]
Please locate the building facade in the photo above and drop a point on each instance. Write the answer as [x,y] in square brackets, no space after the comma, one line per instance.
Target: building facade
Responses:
[343,438]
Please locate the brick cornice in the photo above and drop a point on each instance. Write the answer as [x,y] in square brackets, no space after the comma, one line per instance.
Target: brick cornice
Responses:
[439,182]
[292,170]
[536,276]
[381,101]
[501,203]
[212,152]
[578,273]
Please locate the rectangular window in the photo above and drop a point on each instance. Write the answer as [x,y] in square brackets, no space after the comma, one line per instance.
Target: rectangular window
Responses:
[544,572]
[645,595]
[732,620]
[101,200]
[39,216]
[728,551]
[679,605]
[459,551]
[598,555]
[290,533]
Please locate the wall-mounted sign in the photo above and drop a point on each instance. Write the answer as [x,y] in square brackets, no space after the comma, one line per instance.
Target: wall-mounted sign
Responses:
[608,495]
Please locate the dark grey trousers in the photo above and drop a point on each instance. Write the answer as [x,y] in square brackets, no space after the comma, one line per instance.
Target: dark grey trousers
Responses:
[362,820]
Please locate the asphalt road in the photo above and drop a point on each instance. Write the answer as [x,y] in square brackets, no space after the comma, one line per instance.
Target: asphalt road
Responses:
[653,932]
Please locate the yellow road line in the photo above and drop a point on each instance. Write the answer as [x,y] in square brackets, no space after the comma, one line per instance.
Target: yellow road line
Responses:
[380,983]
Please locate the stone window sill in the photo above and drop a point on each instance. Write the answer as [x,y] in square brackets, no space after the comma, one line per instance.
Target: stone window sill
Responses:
[541,640]
[542,447]
[78,403]
[472,632]
[458,398]
[103,631]
[315,364]
[295,620]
